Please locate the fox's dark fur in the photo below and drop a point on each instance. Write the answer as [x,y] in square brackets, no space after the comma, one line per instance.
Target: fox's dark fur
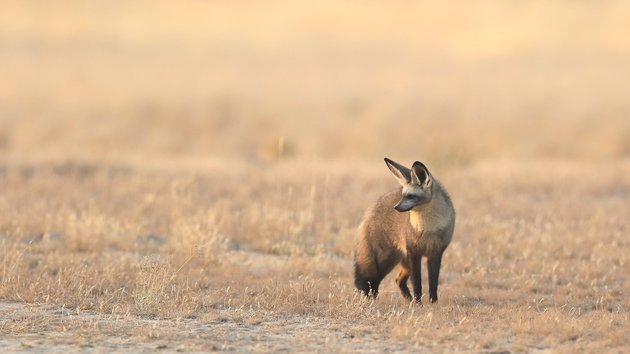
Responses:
[403,226]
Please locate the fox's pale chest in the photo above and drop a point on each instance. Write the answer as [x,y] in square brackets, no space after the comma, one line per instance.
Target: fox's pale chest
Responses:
[426,232]
[415,219]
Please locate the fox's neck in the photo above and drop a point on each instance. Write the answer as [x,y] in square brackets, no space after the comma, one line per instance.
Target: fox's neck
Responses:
[415,219]
[422,216]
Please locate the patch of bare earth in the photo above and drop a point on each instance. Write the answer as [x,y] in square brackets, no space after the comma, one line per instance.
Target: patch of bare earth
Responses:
[34,328]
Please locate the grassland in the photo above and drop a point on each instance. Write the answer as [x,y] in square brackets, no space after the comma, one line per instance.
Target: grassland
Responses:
[537,261]
[190,176]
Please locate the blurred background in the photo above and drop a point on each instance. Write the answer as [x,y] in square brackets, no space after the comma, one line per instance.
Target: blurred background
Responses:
[447,81]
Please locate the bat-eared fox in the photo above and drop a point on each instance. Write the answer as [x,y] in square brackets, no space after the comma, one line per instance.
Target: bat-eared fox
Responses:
[404,225]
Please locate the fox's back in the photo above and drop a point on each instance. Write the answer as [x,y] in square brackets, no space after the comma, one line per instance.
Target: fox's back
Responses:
[382,225]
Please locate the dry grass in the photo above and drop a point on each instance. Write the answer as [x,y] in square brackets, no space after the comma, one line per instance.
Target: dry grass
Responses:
[539,259]
[190,176]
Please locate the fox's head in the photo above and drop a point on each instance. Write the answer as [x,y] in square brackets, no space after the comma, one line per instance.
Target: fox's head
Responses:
[417,184]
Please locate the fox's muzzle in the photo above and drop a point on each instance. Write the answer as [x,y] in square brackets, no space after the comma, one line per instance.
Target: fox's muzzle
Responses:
[400,208]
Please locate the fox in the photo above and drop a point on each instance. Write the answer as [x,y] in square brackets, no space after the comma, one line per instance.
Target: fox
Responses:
[404,225]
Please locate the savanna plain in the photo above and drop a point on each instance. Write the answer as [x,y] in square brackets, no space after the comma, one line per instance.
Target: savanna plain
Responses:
[190,176]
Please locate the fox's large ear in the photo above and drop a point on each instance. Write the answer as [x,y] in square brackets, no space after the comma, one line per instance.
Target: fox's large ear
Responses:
[402,173]
[420,174]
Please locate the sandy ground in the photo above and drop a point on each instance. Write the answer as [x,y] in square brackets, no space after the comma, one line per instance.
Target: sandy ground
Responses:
[88,332]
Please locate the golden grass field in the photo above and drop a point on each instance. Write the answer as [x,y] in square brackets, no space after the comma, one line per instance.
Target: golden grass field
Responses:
[189,176]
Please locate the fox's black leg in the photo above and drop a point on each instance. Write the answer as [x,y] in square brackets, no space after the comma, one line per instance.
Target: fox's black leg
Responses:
[416,276]
[368,285]
[434,274]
